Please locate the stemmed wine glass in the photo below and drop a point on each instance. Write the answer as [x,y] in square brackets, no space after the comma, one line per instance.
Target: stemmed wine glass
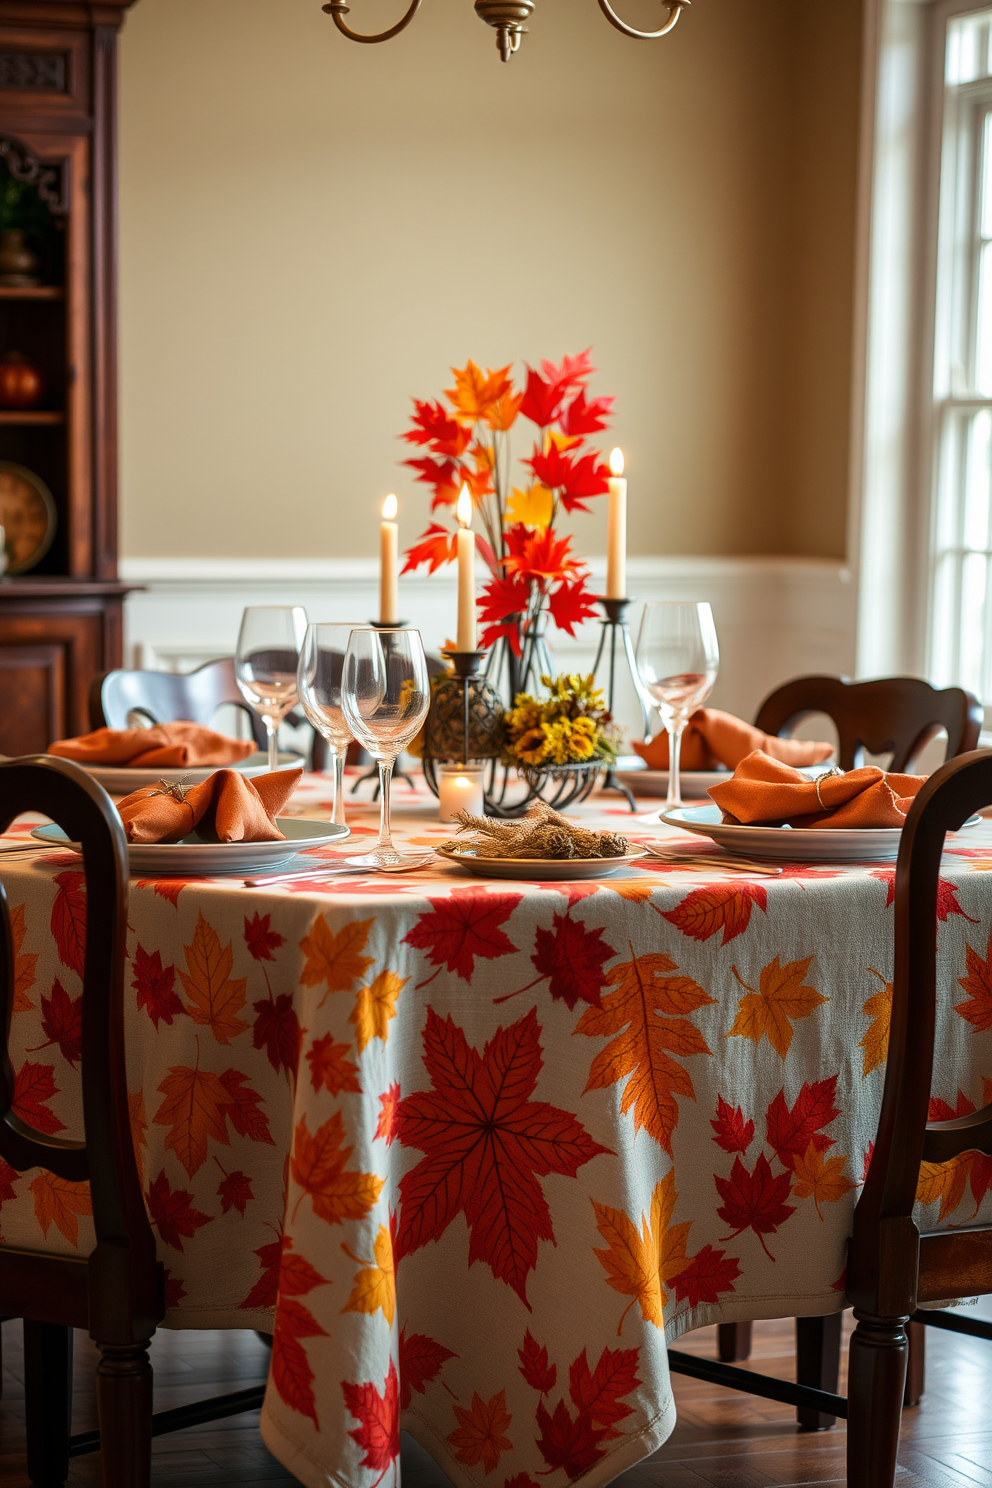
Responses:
[678,659]
[266,661]
[385,696]
[319,678]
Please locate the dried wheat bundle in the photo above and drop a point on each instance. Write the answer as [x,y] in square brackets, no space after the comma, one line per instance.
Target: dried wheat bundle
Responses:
[543,833]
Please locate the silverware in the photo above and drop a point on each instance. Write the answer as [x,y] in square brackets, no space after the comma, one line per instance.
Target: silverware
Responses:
[344,869]
[30,847]
[736,864]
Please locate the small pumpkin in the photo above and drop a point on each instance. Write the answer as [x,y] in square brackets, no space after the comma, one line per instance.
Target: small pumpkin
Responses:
[21,384]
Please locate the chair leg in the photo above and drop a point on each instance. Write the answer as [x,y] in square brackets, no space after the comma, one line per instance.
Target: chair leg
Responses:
[916,1372]
[124,1407]
[818,1363]
[47,1401]
[876,1382]
[733,1342]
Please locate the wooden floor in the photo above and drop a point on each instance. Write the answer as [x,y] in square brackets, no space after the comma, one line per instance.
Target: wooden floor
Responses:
[722,1440]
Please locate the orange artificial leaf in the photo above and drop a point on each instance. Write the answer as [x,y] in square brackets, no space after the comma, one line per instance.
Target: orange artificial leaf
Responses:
[638,1264]
[479,1435]
[195,1109]
[503,413]
[782,997]
[375,1284]
[320,1167]
[476,393]
[139,1128]
[58,1202]
[879,1009]
[946,1182]
[215,998]
[333,959]
[820,1178]
[24,962]
[978,985]
[645,1016]
[374,1006]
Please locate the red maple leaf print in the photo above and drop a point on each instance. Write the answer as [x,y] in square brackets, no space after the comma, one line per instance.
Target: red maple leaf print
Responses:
[725,907]
[283,1271]
[8,1177]
[462,927]
[600,1392]
[388,1106]
[754,1201]
[485,1139]
[260,940]
[266,1289]
[733,1133]
[173,1213]
[62,1023]
[69,919]
[277,1030]
[34,1084]
[154,984]
[174,1289]
[947,894]
[378,1435]
[534,1365]
[244,1113]
[790,1131]
[167,888]
[234,1192]
[572,958]
[331,1068]
[290,1371]
[564,1443]
[707,1275]
[421,1361]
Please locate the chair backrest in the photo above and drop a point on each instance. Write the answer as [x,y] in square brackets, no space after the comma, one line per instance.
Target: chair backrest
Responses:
[163,697]
[889,1268]
[891,714]
[122,1277]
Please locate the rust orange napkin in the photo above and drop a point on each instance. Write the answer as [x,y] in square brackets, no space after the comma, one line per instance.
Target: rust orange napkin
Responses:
[166,746]
[764,791]
[712,739]
[227,807]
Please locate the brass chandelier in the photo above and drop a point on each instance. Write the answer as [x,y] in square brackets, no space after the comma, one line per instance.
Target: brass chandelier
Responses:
[507,17]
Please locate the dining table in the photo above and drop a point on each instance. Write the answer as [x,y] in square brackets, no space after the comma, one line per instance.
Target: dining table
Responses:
[475,1151]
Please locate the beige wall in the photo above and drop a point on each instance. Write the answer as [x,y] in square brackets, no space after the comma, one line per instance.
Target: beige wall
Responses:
[312,231]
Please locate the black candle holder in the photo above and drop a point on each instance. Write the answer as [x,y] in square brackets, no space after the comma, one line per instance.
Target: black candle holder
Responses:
[373,772]
[615,637]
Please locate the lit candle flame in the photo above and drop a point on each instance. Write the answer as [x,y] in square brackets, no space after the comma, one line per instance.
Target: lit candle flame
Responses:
[389,508]
[463,509]
[616,462]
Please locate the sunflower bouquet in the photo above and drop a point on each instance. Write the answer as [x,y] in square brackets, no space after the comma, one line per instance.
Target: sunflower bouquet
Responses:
[571,726]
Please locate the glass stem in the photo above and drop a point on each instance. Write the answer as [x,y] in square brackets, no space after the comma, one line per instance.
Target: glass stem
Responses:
[272,730]
[385,784]
[674,797]
[337,792]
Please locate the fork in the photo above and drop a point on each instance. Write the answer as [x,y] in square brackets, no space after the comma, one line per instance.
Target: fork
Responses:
[750,866]
[343,869]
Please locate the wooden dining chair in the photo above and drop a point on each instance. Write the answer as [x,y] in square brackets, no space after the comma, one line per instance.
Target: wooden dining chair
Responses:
[162,697]
[116,1292]
[897,715]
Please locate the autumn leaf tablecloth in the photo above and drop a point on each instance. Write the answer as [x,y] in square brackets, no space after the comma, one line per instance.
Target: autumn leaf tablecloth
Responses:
[476,1149]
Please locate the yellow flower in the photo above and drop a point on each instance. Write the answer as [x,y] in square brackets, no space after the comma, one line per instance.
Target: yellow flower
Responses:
[558,736]
[532,748]
[582,740]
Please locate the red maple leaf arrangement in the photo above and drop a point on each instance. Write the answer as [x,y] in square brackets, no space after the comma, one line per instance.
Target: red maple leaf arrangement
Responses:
[467,445]
[486,1145]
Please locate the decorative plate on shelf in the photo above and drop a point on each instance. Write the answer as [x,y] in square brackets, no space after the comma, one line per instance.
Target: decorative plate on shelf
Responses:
[194,856]
[551,870]
[27,515]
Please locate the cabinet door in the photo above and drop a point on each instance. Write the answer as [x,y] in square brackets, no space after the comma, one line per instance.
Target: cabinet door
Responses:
[46,663]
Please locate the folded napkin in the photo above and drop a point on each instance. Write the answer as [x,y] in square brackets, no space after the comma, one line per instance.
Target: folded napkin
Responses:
[712,739]
[765,791]
[166,746]
[228,807]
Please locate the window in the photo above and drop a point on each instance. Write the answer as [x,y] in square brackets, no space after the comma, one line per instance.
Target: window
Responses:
[961,537]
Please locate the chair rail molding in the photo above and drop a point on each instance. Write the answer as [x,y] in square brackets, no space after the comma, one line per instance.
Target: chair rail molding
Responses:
[777,617]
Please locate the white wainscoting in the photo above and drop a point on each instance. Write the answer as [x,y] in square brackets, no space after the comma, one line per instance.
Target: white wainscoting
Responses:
[776,617]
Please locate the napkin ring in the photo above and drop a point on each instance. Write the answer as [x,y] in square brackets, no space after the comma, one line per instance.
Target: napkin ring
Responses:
[174,788]
[827,775]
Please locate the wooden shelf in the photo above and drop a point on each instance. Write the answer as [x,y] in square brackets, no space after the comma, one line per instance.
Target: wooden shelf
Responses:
[34,292]
[29,417]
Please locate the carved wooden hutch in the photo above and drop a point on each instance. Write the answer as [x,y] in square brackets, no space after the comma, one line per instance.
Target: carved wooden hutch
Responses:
[61,623]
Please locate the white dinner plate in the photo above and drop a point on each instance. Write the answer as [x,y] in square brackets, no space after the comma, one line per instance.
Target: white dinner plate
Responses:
[122,780]
[193,856]
[798,844]
[551,870]
[695,783]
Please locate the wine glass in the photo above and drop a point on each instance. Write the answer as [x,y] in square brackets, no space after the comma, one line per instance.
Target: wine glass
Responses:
[319,682]
[385,696]
[678,659]
[266,661]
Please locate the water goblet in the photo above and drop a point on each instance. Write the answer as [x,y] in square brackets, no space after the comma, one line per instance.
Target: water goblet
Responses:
[678,659]
[266,661]
[384,697]
[319,679]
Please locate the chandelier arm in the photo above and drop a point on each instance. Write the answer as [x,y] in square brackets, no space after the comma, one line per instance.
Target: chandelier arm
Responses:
[675,8]
[337,10]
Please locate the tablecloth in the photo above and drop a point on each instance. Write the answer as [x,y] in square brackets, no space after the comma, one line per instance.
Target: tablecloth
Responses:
[475,1149]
